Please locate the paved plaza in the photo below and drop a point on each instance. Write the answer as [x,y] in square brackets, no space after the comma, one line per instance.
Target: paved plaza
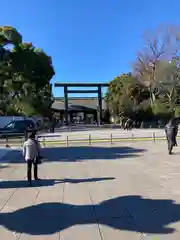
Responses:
[128,191]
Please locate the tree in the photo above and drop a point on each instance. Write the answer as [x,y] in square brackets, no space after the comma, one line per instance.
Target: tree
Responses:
[123,96]
[162,110]
[170,85]
[43,101]
[153,90]
[160,46]
[9,35]
[33,71]
[25,75]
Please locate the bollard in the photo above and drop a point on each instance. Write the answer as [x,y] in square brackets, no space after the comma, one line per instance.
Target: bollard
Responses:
[89,139]
[154,137]
[111,138]
[132,136]
[67,141]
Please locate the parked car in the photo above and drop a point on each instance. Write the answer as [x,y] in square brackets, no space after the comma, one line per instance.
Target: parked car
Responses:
[18,128]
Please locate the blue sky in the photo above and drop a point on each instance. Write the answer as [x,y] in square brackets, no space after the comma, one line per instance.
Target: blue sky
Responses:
[89,40]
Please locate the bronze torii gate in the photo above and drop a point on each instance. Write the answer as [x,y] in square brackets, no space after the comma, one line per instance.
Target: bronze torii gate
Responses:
[86,85]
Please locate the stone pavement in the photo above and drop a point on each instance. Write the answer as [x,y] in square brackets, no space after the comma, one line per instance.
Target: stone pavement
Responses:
[129,191]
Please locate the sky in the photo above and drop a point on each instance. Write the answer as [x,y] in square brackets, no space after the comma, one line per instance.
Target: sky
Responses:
[88,40]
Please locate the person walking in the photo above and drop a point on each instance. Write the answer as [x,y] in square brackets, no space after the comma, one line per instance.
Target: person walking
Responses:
[31,152]
[171,130]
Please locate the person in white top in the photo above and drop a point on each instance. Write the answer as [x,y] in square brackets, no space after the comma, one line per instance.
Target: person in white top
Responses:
[31,149]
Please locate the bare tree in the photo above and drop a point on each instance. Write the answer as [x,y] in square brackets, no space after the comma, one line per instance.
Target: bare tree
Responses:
[160,45]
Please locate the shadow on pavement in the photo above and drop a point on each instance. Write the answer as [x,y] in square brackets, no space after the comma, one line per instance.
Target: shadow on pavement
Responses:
[78,153]
[49,182]
[130,213]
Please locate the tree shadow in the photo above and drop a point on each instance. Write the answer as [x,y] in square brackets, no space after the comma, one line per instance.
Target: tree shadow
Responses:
[50,182]
[3,153]
[130,213]
[78,153]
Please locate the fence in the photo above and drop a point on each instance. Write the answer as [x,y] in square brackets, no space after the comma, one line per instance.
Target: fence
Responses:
[67,141]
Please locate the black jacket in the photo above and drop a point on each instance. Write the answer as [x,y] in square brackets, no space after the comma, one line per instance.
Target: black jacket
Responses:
[171,133]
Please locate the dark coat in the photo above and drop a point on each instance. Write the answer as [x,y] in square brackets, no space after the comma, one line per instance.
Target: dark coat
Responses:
[171,133]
